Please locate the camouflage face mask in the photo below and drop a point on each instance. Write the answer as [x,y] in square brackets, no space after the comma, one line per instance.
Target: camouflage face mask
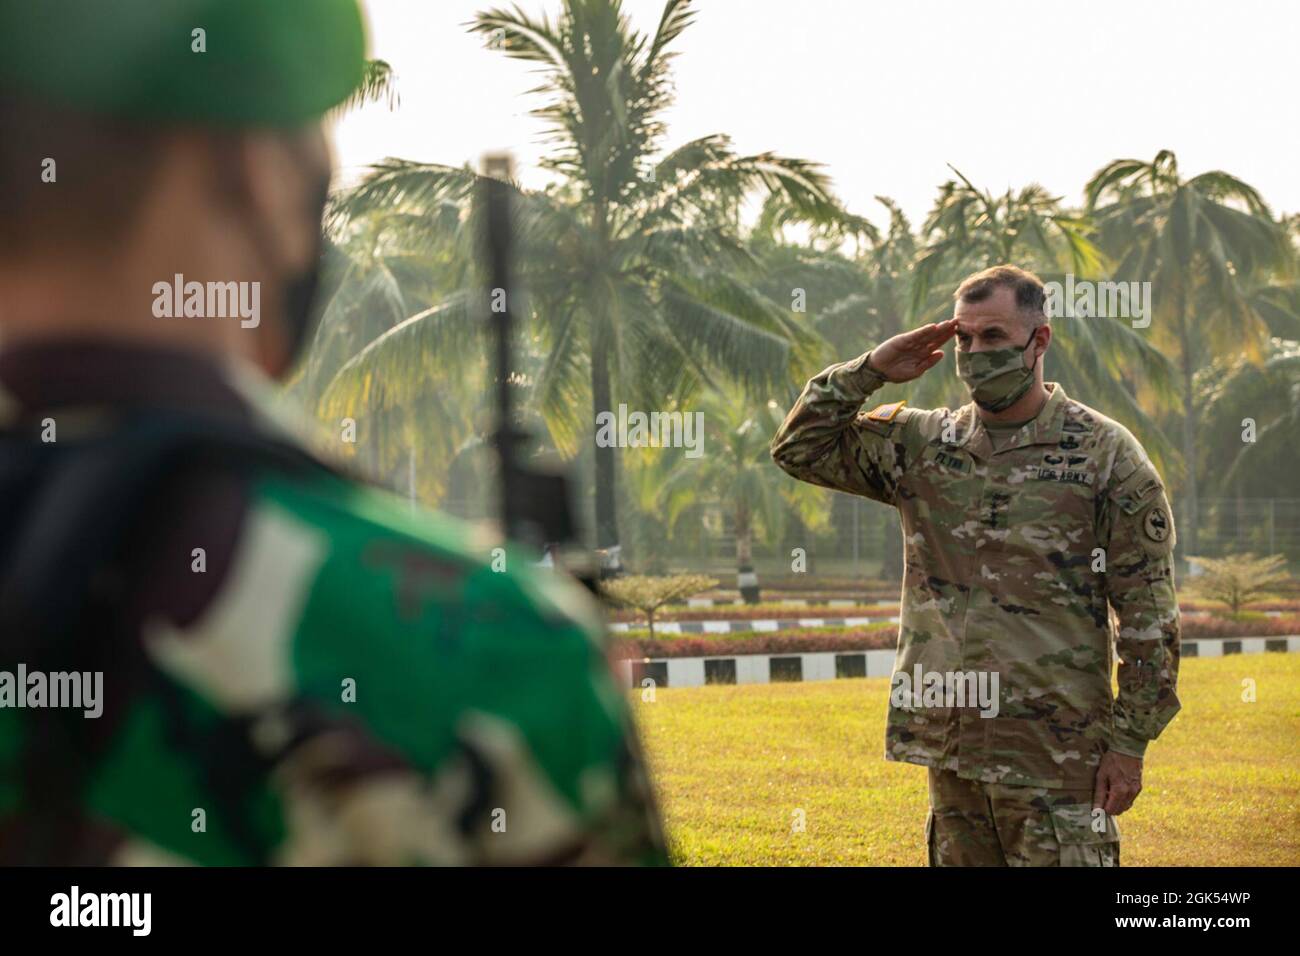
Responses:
[997,378]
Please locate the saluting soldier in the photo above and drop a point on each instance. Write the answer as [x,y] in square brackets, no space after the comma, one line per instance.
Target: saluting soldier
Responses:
[295,668]
[1027,518]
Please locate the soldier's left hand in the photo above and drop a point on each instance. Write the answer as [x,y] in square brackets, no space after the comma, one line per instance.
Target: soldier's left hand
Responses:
[1119,781]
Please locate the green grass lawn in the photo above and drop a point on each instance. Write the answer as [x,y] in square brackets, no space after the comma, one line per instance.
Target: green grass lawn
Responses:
[734,764]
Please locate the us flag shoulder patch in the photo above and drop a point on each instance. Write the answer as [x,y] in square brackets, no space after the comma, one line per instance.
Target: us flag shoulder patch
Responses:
[886,413]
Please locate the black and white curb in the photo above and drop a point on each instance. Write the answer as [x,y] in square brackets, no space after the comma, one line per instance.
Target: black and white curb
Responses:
[755,668]
[742,627]
[780,668]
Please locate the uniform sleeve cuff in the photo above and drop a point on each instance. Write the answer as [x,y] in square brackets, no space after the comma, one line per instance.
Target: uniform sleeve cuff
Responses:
[1130,747]
[859,376]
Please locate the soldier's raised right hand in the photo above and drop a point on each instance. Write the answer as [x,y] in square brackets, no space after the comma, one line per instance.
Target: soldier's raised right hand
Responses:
[909,355]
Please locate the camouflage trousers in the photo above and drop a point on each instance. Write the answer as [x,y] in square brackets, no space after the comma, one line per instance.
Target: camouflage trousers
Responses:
[987,824]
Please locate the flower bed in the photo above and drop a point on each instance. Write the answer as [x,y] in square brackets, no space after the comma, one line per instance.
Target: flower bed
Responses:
[821,582]
[863,595]
[754,612]
[809,640]
[1213,607]
[1225,627]
[801,641]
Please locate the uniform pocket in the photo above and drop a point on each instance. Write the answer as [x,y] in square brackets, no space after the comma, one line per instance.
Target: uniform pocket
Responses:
[1085,839]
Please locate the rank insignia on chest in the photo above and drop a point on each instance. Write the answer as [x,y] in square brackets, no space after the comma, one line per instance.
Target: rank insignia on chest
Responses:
[885,413]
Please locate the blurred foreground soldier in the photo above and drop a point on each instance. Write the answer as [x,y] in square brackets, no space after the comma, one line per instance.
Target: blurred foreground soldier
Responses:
[214,648]
[1026,518]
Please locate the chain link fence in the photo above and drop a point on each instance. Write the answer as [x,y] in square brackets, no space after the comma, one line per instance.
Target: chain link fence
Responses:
[862,538]
[1237,525]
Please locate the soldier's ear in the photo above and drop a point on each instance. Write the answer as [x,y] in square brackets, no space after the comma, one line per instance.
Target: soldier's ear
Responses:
[1044,335]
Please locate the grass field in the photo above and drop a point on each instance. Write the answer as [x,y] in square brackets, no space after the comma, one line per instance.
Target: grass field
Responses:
[736,764]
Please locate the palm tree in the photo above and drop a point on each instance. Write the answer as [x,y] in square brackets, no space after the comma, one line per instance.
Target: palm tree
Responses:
[970,224]
[638,287]
[1250,416]
[379,269]
[378,83]
[734,472]
[352,292]
[853,297]
[1203,243]
[891,277]
[819,278]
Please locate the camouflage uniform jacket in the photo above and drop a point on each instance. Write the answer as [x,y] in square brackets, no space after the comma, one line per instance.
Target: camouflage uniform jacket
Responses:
[1014,559]
[347,681]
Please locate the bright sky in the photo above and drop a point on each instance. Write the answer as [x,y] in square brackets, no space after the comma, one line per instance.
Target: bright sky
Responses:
[885,93]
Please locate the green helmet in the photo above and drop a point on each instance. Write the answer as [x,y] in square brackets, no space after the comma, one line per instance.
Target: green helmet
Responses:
[211,62]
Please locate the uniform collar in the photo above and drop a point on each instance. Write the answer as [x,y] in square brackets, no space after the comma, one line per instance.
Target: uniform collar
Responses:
[1045,429]
[84,379]
[48,375]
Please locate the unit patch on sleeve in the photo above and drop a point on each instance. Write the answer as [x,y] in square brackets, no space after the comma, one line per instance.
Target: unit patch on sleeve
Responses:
[1156,524]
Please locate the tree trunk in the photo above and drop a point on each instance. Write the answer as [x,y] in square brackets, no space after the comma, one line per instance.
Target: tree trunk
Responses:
[1239,526]
[746,578]
[1187,532]
[606,513]
[607,539]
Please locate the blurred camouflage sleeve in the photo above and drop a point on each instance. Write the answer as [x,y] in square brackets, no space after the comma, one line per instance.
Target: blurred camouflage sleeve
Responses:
[825,439]
[1137,532]
[400,702]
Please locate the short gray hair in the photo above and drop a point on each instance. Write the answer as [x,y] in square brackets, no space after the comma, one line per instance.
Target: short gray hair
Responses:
[1031,296]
